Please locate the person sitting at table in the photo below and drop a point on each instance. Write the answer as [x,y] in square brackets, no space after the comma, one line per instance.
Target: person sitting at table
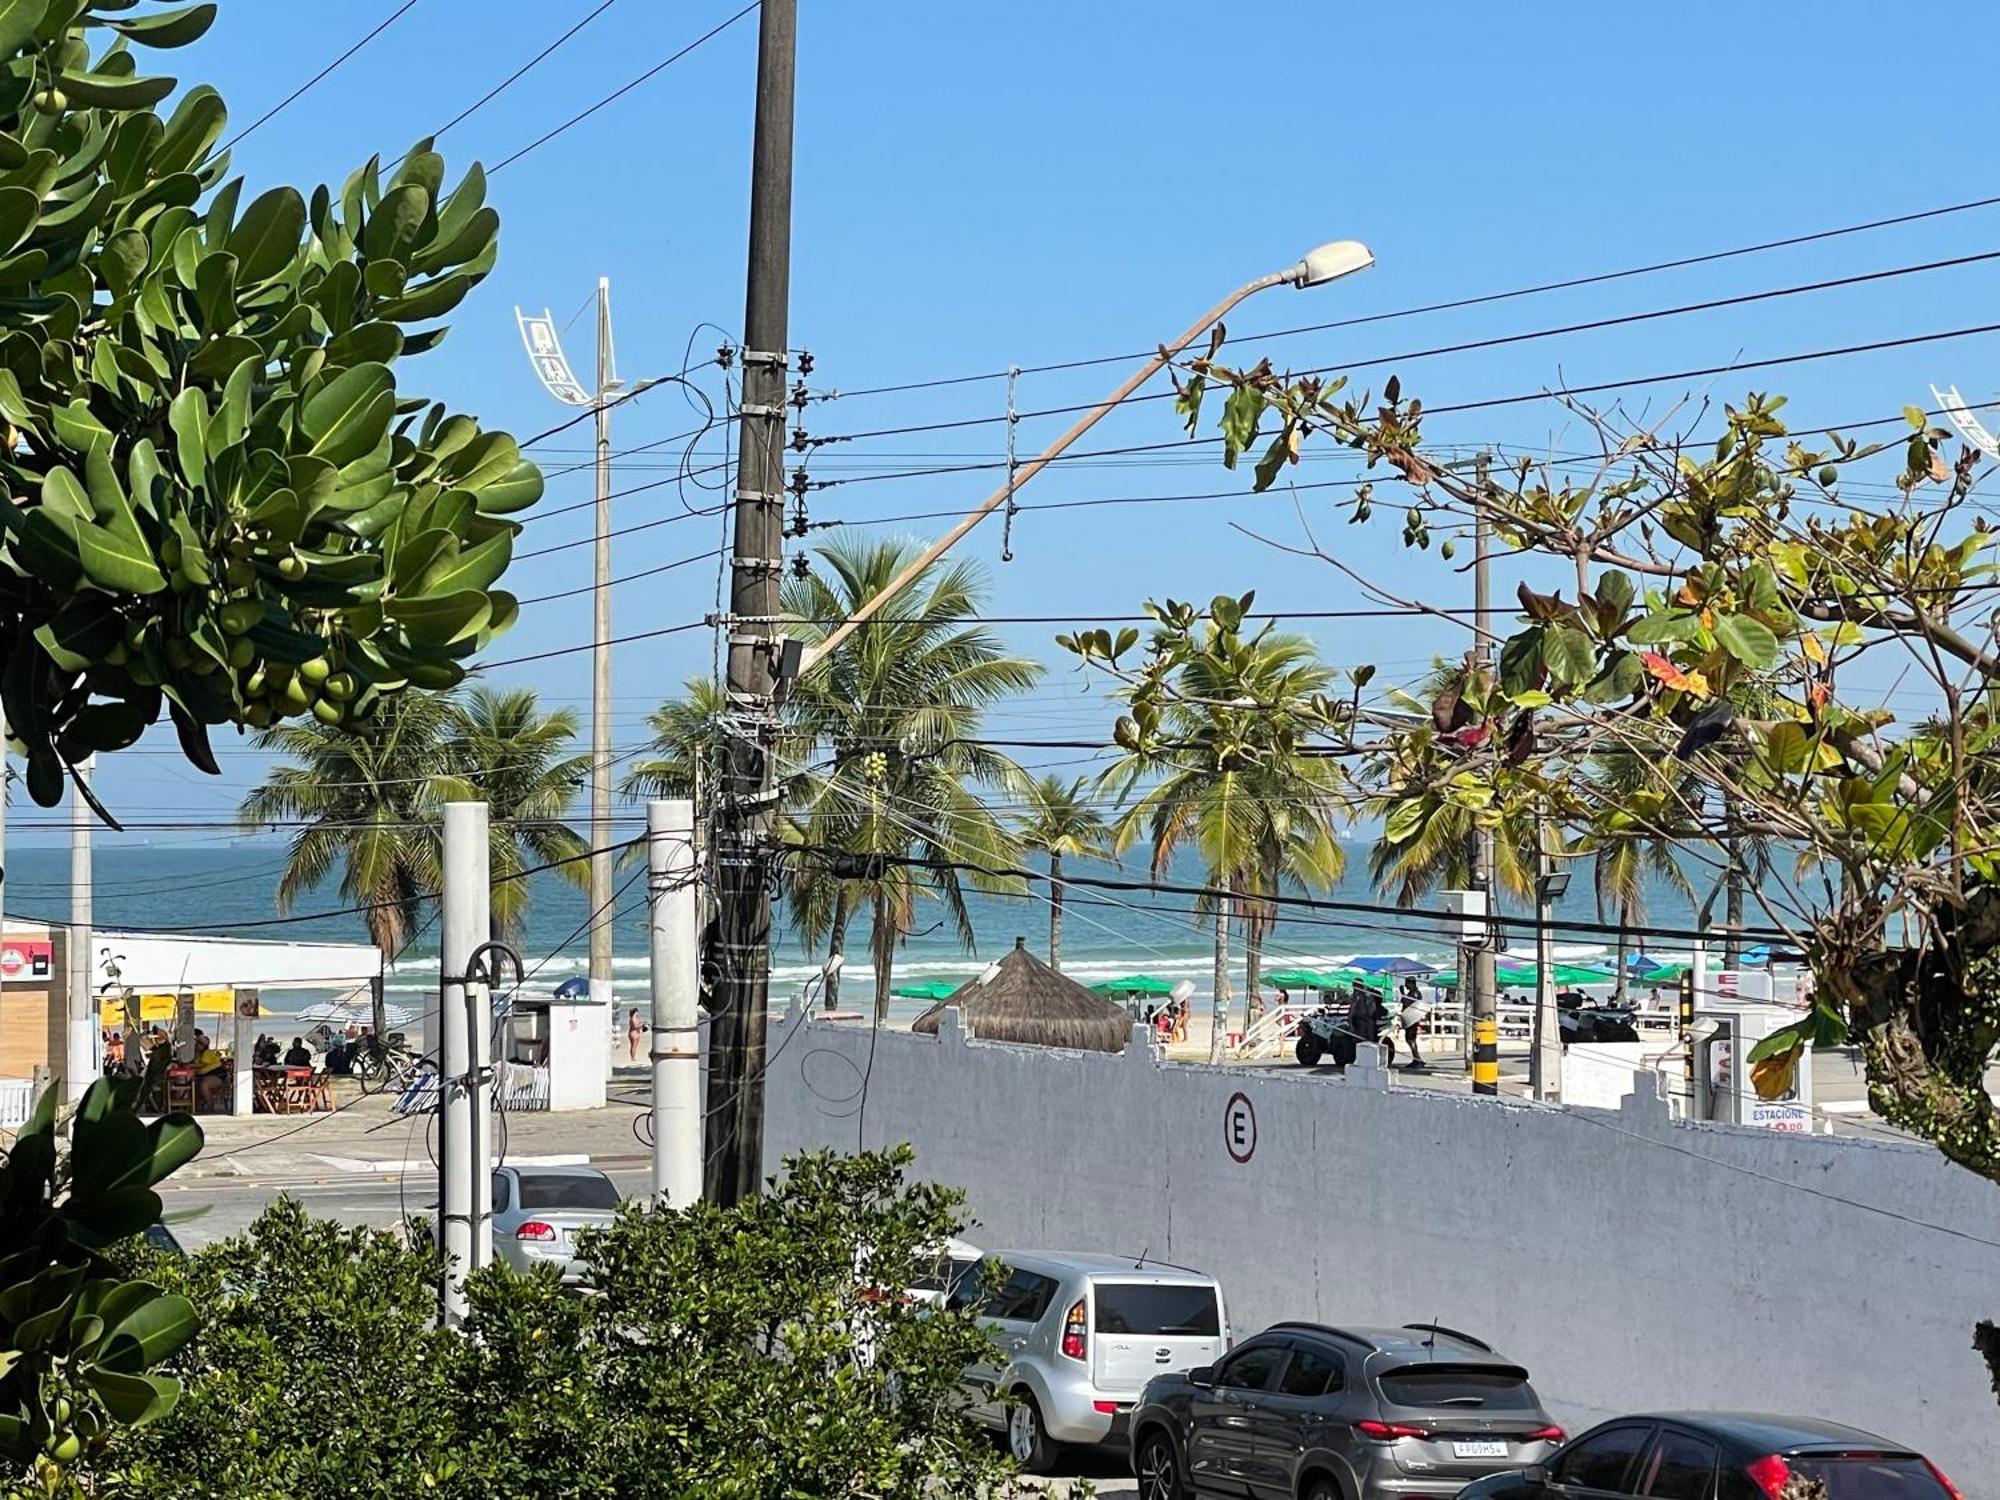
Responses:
[298,1055]
[210,1081]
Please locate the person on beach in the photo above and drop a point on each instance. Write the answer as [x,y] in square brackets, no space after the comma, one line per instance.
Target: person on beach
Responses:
[1182,1014]
[297,1055]
[1412,1016]
[1368,1021]
[635,1032]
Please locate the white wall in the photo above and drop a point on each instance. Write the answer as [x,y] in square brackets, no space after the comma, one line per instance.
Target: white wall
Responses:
[1629,1261]
[162,961]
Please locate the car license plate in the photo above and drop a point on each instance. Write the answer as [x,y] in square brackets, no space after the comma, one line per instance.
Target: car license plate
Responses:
[1479,1448]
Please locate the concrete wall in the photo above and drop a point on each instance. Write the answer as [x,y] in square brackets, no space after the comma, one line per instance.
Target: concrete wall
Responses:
[1629,1261]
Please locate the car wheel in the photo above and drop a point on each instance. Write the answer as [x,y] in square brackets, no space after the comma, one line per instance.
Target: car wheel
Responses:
[1323,1489]
[1026,1441]
[1307,1051]
[1157,1469]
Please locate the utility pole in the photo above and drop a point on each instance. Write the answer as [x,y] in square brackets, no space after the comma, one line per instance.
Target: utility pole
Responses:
[1545,1058]
[467,904]
[673,903]
[601,932]
[1482,1003]
[80,1064]
[745,820]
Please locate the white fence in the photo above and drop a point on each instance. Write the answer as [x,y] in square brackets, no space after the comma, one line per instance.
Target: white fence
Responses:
[516,1087]
[17,1101]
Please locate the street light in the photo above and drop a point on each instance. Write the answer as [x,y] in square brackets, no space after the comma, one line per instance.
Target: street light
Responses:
[1328,262]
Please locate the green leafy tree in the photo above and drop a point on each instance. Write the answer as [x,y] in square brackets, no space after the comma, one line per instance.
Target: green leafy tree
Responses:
[741,1353]
[1057,818]
[892,716]
[686,741]
[226,509]
[81,1342]
[1624,856]
[501,749]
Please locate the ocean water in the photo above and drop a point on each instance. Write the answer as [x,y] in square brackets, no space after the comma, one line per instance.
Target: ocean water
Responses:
[228,890]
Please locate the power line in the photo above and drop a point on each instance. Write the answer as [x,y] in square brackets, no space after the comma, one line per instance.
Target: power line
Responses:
[618,93]
[1475,301]
[616,640]
[612,583]
[515,77]
[1468,346]
[1490,402]
[402,10]
[689,514]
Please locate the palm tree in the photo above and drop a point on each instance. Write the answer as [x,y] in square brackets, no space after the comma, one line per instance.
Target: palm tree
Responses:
[1237,786]
[1058,820]
[1623,861]
[1298,848]
[358,795]
[893,715]
[687,739]
[500,748]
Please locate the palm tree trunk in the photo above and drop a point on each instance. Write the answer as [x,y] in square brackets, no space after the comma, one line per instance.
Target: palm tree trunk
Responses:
[1055,911]
[882,949]
[836,947]
[1219,1011]
[1255,925]
[1624,944]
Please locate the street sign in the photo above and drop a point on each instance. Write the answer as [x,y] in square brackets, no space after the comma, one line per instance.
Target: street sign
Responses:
[32,960]
[1239,1128]
[544,345]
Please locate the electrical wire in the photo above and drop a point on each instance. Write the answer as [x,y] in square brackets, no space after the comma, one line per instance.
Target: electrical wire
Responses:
[1475,301]
[618,93]
[612,583]
[515,77]
[616,640]
[402,10]
[1467,346]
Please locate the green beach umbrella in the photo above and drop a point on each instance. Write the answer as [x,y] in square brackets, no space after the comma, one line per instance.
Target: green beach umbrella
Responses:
[1133,984]
[1665,974]
[1346,977]
[931,989]
[1302,979]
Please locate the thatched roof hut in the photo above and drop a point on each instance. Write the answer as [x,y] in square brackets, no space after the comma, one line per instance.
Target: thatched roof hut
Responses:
[1027,1001]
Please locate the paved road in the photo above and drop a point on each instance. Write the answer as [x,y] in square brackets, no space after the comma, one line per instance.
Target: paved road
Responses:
[1106,1471]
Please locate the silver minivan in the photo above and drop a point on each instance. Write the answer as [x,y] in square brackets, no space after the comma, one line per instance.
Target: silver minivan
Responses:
[1077,1337]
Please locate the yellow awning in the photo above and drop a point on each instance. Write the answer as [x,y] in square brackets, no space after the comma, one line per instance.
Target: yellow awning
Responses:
[159,1006]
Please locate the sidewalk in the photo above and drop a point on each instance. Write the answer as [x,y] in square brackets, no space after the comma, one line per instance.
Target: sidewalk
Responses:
[364,1135]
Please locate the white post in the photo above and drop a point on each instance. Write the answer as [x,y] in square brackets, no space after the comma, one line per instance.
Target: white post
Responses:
[1545,1060]
[467,868]
[672,912]
[80,1064]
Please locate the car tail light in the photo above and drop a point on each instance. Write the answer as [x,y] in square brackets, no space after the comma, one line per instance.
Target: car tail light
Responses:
[535,1229]
[1549,1434]
[1388,1432]
[1770,1474]
[1938,1474]
[1075,1344]
[1108,1408]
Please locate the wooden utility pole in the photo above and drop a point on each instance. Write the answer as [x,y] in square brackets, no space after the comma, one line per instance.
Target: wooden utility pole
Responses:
[1483,1004]
[745,813]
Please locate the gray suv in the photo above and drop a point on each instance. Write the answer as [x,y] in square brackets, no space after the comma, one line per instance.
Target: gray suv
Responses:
[1318,1413]
[1077,1337]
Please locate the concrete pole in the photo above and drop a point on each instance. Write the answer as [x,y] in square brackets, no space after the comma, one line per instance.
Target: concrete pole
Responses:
[80,1065]
[467,869]
[601,926]
[1483,1007]
[673,905]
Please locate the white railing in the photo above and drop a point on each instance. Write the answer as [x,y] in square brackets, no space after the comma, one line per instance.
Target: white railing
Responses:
[516,1087]
[17,1102]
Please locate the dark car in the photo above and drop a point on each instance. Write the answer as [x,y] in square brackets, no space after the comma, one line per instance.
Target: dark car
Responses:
[1722,1456]
[1310,1412]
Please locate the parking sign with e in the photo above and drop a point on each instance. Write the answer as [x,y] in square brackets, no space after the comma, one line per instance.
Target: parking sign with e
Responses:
[1239,1127]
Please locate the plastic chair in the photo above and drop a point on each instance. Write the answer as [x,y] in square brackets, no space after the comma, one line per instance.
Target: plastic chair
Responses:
[180,1090]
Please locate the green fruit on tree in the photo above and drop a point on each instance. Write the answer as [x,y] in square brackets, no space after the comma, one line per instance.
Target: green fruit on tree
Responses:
[170,551]
[340,686]
[328,712]
[204,665]
[296,696]
[240,547]
[292,567]
[316,671]
[241,653]
[258,715]
[135,634]
[141,671]
[239,572]
[178,655]
[50,101]
[67,1449]
[239,615]
[118,655]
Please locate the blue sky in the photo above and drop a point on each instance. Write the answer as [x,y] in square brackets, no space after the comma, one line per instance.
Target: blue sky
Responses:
[980,186]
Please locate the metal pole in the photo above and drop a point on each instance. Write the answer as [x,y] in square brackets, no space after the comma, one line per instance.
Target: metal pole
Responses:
[745,811]
[672,908]
[1484,1002]
[1545,1061]
[467,868]
[80,1064]
[601,925]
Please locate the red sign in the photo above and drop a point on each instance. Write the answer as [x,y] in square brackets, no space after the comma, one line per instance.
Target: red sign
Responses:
[26,960]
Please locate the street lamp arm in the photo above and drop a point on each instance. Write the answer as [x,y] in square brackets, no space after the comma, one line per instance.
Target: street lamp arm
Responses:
[1321,265]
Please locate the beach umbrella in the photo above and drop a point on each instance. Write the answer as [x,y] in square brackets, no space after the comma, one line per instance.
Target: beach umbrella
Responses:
[930,989]
[1021,999]
[1395,964]
[1132,984]
[1302,979]
[575,988]
[1664,974]
[1347,976]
